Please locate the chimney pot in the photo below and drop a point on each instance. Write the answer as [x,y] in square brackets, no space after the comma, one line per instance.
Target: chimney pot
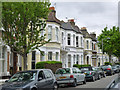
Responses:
[52,8]
[71,20]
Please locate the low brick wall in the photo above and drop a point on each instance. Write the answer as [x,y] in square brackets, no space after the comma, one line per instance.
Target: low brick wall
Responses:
[53,67]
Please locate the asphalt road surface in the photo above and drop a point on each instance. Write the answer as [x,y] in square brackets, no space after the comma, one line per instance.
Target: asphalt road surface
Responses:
[98,84]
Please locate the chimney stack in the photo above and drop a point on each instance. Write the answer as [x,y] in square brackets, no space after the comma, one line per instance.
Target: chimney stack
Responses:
[71,21]
[52,8]
[83,28]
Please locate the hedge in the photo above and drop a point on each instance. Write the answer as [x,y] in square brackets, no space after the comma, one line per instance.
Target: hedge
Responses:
[79,66]
[117,63]
[41,65]
[108,63]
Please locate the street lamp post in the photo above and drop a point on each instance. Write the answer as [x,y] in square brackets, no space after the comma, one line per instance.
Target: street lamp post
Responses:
[102,51]
[102,48]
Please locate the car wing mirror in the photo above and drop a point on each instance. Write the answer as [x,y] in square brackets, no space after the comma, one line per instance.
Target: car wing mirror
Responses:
[6,81]
[40,78]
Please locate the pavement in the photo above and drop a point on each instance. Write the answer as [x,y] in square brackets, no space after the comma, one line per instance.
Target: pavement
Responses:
[2,81]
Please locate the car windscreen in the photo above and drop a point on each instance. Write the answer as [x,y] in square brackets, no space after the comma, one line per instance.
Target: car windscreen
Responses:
[86,69]
[105,67]
[23,76]
[63,71]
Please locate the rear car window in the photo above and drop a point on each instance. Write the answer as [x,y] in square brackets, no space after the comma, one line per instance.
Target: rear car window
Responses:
[63,71]
[104,67]
[85,69]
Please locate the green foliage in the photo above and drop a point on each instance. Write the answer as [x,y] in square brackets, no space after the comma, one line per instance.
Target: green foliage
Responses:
[41,65]
[108,63]
[110,46]
[79,66]
[23,22]
[117,63]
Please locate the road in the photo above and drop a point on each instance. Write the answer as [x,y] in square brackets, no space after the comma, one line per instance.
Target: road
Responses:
[102,83]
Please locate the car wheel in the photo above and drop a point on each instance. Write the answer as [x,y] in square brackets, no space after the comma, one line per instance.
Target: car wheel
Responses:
[104,75]
[84,82]
[55,87]
[74,83]
[93,78]
[33,89]
[99,76]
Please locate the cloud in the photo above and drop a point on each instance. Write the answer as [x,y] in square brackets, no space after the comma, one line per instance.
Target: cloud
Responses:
[93,15]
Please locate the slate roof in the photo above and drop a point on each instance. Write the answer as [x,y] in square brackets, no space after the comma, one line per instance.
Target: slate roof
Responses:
[85,33]
[52,17]
[69,26]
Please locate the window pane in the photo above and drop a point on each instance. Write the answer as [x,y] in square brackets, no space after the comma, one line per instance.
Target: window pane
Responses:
[49,32]
[57,33]
[77,41]
[33,55]
[42,56]
[49,55]
[56,55]
[68,39]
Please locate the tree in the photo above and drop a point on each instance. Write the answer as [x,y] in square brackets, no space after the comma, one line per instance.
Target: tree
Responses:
[23,22]
[110,46]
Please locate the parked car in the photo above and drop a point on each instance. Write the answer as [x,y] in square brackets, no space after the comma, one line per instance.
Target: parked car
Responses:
[100,71]
[90,73]
[108,69]
[69,76]
[84,69]
[31,80]
[115,84]
[115,69]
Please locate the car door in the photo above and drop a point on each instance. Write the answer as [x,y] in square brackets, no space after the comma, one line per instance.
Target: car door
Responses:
[76,75]
[49,78]
[41,81]
[81,75]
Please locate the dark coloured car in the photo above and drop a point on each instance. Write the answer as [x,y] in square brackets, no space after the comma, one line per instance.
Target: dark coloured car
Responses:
[107,69]
[31,80]
[90,73]
[115,69]
[100,71]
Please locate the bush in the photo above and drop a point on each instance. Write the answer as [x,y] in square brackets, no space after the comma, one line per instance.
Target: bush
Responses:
[79,66]
[108,63]
[41,65]
[117,63]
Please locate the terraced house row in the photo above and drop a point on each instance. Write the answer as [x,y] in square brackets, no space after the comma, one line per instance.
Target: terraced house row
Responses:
[69,44]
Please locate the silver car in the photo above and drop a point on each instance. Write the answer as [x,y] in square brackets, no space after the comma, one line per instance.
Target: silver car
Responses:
[31,80]
[69,76]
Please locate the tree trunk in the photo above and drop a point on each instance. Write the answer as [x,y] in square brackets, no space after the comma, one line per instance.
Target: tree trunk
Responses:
[110,59]
[25,62]
[15,59]
[119,59]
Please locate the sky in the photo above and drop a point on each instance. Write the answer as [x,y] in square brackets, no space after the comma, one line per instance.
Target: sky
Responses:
[95,15]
